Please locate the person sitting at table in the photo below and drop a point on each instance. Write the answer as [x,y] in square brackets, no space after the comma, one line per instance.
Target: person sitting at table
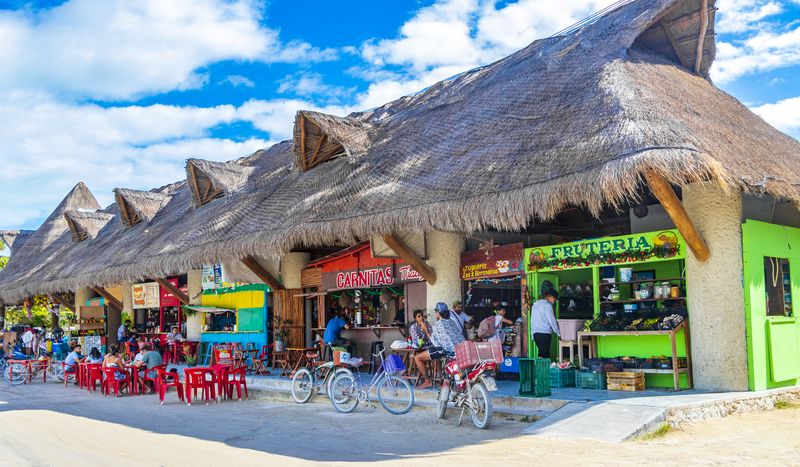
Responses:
[444,337]
[150,360]
[420,331]
[113,360]
[174,336]
[333,331]
[139,355]
[72,360]
[122,332]
[94,356]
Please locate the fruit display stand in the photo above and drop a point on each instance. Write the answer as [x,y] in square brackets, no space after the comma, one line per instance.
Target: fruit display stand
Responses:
[92,321]
[675,371]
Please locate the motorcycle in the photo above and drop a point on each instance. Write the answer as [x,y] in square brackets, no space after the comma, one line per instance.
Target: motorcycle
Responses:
[468,390]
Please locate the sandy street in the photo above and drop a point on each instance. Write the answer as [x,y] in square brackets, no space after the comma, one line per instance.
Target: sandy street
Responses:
[50,425]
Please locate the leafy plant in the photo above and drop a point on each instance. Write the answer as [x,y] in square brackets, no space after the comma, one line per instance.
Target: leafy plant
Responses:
[659,432]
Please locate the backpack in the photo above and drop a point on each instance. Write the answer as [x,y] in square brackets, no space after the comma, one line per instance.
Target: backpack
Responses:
[487,329]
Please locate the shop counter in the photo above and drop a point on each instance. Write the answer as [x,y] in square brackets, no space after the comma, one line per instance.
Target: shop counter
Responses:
[675,371]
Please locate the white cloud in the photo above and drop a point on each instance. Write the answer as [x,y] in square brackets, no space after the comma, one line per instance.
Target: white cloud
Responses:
[308,84]
[737,16]
[239,80]
[783,115]
[123,49]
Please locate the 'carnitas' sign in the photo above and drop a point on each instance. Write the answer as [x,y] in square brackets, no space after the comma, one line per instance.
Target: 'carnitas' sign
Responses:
[369,278]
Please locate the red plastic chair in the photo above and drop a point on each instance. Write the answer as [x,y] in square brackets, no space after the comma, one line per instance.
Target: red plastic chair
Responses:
[94,375]
[236,377]
[74,371]
[111,381]
[154,379]
[166,381]
[200,378]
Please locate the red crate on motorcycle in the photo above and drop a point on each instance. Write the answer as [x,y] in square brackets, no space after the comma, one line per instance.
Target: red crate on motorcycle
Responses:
[470,353]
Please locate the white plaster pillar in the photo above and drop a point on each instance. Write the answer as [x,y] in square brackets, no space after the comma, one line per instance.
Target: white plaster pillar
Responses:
[444,256]
[194,287]
[715,291]
[292,266]
[81,295]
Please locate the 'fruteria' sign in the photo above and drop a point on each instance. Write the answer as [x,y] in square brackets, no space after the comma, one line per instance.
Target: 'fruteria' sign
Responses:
[634,248]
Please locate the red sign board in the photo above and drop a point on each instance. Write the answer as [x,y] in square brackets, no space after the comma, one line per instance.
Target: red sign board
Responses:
[167,299]
[223,355]
[504,260]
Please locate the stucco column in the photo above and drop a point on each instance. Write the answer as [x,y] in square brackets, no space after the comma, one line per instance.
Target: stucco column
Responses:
[81,295]
[292,266]
[194,287]
[444,256]
[715,291]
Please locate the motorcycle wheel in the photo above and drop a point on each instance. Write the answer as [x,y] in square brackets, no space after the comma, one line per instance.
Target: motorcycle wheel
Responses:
[482,406]
[441,402]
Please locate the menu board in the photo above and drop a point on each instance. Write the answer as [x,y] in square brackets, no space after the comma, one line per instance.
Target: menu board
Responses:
[223,355]
[146,295]
[211,277]
[493,262]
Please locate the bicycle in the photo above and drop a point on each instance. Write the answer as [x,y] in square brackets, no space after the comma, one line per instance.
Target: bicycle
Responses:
[14,373]
[306,383]
[395,394]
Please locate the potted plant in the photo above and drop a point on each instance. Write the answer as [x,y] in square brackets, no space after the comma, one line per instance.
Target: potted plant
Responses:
[280,329]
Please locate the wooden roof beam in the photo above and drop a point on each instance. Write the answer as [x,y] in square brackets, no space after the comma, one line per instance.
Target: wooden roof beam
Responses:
[408,255]
[669,200]
[303,142]
[260,272]
[61,301]
[182,297]
[110,299]
[701,35]
[674,43]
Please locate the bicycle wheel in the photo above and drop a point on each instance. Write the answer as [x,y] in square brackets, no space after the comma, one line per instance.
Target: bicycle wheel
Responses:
[16,374]
[396,395]
[302,386]
[344,393]
[56,371]
[331,376]
[483,409]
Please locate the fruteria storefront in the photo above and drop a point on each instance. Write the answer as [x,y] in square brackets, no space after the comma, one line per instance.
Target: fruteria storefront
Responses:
[771,281]
[235,314]
[624,298]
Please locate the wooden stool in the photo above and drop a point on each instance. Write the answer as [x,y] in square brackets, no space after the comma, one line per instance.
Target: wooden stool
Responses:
[281,360]
[375,347]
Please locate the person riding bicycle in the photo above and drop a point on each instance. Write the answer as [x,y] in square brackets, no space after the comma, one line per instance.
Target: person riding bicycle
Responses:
[444,337]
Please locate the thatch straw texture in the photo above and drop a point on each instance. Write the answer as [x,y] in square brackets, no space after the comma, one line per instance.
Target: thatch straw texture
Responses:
[571,120]
[138,206]
[84,225]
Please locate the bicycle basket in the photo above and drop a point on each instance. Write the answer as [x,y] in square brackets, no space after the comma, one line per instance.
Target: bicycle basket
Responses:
[394,364]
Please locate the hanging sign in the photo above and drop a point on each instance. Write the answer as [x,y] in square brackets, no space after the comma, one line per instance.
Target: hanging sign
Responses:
[498,261]
[146,295]
[634,248]
[223,355]
[211,277]
[370,278]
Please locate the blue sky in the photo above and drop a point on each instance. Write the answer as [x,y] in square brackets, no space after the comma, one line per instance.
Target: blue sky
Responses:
[119,93]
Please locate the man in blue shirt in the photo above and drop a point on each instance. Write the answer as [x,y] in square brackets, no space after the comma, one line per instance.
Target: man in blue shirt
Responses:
[122,331]
[333,331]
[72,360]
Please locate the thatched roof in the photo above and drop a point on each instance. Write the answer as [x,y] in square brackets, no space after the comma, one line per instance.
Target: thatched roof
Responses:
[83,225]
[10,238]
[574,119]
[209,180]
[138,206]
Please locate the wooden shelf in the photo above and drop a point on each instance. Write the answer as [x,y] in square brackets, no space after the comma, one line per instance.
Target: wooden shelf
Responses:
[644,280]
[643,300]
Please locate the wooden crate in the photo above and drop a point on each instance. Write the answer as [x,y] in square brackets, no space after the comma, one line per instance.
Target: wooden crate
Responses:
[625,381]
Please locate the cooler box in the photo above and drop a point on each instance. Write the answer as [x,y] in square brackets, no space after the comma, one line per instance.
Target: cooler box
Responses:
[469,353]
[509,365]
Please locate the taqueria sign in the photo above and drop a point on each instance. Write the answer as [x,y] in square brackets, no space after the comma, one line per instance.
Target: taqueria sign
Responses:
[651,246]
[384,276]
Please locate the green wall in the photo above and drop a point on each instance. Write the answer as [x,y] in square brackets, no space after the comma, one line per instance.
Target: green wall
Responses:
[773,343]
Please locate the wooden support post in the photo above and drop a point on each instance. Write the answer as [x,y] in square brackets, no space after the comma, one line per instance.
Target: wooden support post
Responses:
[110,299]
[182,297]
[253,265]
[669,200]
[698,61]
[58,298]
[411,258]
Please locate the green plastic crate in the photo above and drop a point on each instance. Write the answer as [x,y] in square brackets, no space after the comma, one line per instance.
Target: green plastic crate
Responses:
[590,380]
[534,377]
[562,378]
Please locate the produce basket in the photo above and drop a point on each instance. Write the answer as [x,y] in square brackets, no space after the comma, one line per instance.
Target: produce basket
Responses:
[612,364]
[645,363]
[590,380]
[595,364]
[534,377]
[628,362]
[562,378]
[665,363]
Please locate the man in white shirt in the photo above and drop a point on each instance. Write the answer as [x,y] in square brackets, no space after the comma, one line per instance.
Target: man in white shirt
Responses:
[459,317]
[543,322]
[27,342]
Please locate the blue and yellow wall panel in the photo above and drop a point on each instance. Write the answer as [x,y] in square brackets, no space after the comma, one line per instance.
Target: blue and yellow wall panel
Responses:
[250,303]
